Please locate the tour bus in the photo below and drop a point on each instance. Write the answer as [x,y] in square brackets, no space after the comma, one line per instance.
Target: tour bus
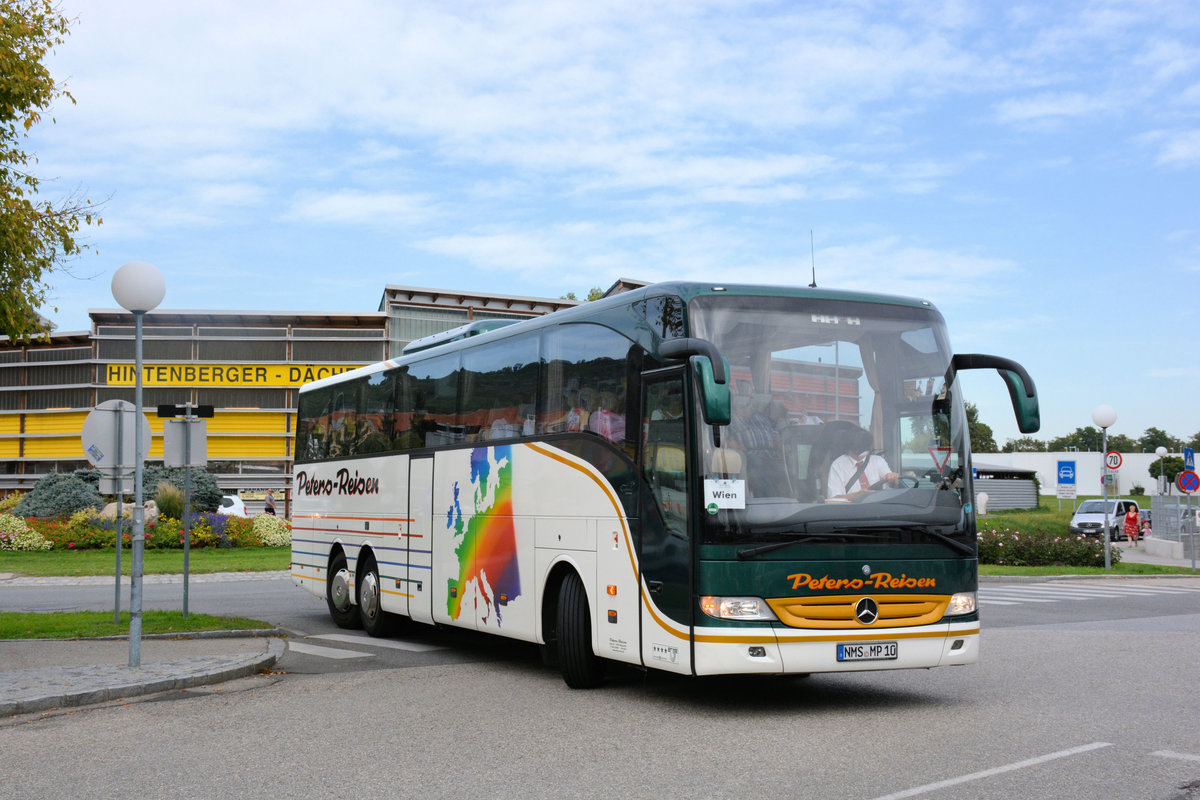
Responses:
[687,477]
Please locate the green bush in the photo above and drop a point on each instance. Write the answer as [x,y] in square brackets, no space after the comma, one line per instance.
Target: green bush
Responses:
[58,495]
[206,495]
[169,500]
[1038,548]
[15,534]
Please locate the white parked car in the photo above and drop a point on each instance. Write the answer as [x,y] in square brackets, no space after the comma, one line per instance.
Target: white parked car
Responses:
[1089,518]
[232,506]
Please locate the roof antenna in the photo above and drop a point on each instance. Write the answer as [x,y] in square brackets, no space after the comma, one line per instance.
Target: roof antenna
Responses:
[813,285]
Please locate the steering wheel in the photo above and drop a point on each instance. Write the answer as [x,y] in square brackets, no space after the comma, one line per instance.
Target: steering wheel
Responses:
[906,481]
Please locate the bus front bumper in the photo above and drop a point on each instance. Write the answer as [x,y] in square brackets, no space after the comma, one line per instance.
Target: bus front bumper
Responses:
[792,652]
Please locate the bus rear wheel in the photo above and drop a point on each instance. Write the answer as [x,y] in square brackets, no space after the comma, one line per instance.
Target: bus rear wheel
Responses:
[375,621]
[337,594]
[581,668]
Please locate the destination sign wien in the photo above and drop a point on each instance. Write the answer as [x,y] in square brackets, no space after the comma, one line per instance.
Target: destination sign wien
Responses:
[223,374]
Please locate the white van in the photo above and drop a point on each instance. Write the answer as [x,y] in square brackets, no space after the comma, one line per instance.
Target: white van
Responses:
[1089,518]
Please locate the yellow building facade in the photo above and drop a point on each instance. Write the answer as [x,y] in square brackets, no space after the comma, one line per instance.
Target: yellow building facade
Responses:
[247,365]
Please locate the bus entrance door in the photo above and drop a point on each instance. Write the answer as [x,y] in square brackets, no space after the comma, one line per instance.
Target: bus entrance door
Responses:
[419,539]
[665,551]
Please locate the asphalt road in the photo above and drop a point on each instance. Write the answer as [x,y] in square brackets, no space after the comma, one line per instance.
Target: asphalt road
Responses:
[1086,690]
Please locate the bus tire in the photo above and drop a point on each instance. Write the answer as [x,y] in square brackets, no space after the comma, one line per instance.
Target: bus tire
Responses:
[337,594]
[375,621]
[581,668]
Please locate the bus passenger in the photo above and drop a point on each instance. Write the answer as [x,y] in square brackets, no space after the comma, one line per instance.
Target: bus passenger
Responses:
[607,420]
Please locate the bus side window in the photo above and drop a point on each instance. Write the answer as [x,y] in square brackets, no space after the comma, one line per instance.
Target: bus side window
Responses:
[313,425]
[499,388]
[433,384]
[585,370]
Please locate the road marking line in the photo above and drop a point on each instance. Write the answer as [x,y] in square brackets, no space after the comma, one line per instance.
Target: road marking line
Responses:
[1171,754]
[1020,599]
[325,652]
[394,644]
[987,773]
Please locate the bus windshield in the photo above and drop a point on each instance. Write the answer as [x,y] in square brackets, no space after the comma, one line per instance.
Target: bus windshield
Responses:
[842,422]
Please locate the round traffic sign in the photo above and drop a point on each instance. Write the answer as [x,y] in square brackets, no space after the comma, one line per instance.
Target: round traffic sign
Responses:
[99,434]
[1188,481]
[1112,459]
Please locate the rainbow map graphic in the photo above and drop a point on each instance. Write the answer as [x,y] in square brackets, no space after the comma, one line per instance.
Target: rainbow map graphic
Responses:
[487,542]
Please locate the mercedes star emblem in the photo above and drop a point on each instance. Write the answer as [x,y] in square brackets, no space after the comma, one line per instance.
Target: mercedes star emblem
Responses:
[867,611]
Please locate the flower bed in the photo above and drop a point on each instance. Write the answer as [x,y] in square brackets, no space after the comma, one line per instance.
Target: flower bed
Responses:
[1037,548]
[15,534]
[85,530]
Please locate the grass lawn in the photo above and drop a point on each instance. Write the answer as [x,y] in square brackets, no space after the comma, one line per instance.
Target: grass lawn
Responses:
[49,563]
[77,624]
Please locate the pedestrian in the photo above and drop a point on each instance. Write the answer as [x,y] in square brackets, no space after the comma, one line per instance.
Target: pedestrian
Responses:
[1131,524]
[1146,532]
[270,503]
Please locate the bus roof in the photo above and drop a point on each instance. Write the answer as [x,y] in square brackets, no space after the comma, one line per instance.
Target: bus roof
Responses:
[483,330]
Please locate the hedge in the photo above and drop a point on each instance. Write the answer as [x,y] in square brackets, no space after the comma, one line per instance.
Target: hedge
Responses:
[1039,548]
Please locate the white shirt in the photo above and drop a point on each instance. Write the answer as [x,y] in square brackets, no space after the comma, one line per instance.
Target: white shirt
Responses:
[843,468]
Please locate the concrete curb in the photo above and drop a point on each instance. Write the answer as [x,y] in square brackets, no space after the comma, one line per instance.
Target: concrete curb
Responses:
[33,690]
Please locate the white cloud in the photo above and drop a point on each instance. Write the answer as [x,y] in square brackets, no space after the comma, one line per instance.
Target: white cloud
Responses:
[358,208]
[230,194]
[1049,106]
[1175,148]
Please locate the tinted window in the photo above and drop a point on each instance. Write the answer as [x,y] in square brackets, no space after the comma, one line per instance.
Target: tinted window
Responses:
[585,384]
[500,382]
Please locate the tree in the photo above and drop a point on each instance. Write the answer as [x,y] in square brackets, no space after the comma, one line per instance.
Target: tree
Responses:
[982,439]
[36,235]
[1195,442]
[1154,438]
[1171,466]
[595,293]
[1087,439]
[1122,443]
[1026,444]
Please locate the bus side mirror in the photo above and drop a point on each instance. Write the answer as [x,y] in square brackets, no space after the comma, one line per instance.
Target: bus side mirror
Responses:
[1020,386]
[1024,401]
[715,399]
[711,371]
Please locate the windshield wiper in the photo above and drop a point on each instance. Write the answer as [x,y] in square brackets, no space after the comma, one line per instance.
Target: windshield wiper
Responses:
[953,544]
[751,552]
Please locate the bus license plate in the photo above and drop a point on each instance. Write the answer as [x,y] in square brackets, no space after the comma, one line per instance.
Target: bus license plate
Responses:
[868,651]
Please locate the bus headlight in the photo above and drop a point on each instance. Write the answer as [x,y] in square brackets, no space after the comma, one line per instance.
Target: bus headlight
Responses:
[749,608]
[961,603]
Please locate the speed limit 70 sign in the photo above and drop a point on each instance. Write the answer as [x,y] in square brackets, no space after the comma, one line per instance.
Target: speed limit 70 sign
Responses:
[1112,459]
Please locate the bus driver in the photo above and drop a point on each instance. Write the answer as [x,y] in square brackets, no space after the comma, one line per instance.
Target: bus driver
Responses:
[853,473]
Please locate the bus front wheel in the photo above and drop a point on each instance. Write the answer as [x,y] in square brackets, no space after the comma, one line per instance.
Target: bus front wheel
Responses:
[581,668]
[337,594]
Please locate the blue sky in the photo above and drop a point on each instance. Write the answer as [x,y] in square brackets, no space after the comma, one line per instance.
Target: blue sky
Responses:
[1033,169]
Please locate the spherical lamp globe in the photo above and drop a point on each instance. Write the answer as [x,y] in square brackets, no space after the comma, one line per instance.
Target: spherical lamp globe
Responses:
[138,286]
[1104,416]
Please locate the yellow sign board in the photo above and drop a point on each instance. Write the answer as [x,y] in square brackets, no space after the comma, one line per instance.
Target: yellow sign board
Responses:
[222,375]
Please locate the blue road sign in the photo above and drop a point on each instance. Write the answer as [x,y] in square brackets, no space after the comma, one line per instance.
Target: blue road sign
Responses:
[1189,459]
[1188,482]
[1066,472]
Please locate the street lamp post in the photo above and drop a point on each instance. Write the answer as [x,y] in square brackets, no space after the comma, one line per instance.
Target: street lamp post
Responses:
[138,287]
[1104,417]
[1161,452]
